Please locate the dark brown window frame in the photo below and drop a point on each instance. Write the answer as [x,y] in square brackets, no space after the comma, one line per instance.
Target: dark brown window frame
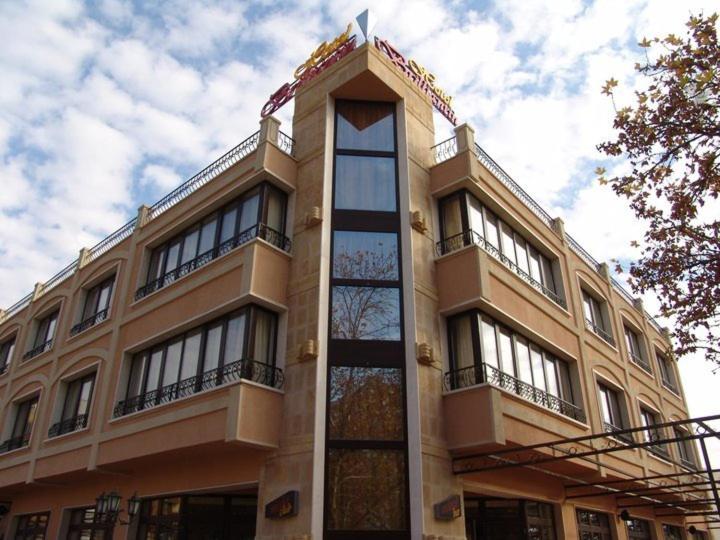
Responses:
[33,533]
[268,372]
[88,527]
[78,420]
[163,277]
[357,353]
[42,328]
[96,314]
[7,350]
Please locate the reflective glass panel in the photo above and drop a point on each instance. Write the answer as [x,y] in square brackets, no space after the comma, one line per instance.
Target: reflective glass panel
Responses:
[366,490]
[365,183]
[365,126]
[191,355]
[249,215]
[235,339]
[212,347]
[461,341]
[366,403]
[365,255]
[172,363]
[489,344]
[365,313]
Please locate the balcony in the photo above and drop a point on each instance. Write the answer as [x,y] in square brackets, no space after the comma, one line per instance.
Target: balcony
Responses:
[472,238]
[640,362]
[250,370]
[256,231]
[36,351]
[68,425]
[485,373]
[15,442]
[91,321]
[600,332]
[618,432]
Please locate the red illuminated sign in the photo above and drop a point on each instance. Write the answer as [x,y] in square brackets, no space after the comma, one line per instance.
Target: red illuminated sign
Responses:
[421,77]
[322,58]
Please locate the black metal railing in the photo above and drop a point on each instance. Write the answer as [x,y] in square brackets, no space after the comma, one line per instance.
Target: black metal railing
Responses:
[99,317]
[670,385]
[68,426]
[251,370]
[688,464]
[286,143]
[617,432]
[35,351]
[600,332]
[470,238]
[15,442]
[640,362]
[485,373]
[445,150]
[259,230]
[660,450]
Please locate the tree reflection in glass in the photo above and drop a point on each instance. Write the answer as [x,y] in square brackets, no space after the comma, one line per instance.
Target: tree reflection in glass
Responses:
[365,313]
[366,403]
[365,255]
[366,490]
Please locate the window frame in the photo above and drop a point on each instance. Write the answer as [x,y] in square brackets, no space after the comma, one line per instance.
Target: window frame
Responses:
[7,350]
[157,260]
[668,376]
[69,424]
[561,374]
[144,356]
[30,533]
[639,357]
[651,417]
[596,315]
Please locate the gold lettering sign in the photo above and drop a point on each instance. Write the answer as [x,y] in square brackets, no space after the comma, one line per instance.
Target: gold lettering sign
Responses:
[323,50]
[423,73]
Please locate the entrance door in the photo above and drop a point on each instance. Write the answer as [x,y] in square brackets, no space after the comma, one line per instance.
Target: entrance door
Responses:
[199,517]
[508,519]
[593,525]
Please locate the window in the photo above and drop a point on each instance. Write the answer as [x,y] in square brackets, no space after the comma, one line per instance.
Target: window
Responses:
[612,409]
[635,350]
[595,319]
[96,306]
[366,467]
[649,419]
[25,414]
[258,213]
[239,345]
[672,532]
[465,221]
[482,350]
[508,518]
[43,335]
[593,525]
[221,517]
[7,348]
[83,526]
[667,372]
[32,526]
[685,448]
[76,406]
[638,529]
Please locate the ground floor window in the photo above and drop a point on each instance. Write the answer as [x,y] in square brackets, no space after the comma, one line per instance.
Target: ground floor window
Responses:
[508,519]
[198,517]
[672,532]
[638,529]
[84,527]
[593,525]
[32,526]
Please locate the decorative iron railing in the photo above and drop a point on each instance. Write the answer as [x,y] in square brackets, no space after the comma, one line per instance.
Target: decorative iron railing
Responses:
[286,143]
[258,372]
[485,373]
[600,332]
[470,237]
[91,321]
[445,150]
[490,164]
[259,230]
[617,432]
[688,464]
[210,172]
[640,362]
[670,385]
[68,425]
[213,170]
[35,351]
[15,442]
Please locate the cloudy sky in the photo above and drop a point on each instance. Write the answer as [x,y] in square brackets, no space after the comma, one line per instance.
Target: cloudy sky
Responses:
[110,104]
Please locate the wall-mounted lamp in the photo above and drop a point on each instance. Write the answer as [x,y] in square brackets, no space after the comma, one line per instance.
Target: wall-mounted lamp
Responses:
[692,529]
[625,515]
[107,507]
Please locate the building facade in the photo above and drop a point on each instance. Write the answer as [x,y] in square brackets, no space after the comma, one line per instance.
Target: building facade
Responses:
[337,336]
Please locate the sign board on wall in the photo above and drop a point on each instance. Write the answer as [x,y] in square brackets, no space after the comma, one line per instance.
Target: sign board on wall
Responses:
[448,509]
[286,505]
